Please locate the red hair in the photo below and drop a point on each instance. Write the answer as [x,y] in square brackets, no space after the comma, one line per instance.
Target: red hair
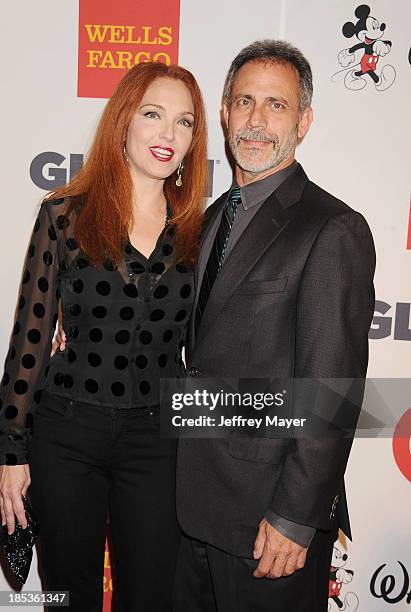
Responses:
[104,185]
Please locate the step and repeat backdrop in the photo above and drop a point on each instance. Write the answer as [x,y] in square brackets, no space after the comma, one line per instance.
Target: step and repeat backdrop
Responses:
[61,62]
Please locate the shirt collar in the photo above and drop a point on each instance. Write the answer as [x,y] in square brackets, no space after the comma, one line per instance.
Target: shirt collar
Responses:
[257,192]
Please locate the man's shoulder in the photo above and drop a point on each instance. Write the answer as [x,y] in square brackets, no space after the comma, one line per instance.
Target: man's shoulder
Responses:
[327,211]
[324,203]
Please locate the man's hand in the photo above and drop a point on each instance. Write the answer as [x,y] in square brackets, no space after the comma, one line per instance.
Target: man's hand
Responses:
[278,555]
[60,337]
[59,342]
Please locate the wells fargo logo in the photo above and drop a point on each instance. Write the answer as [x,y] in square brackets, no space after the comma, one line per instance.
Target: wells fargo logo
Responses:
[114,36]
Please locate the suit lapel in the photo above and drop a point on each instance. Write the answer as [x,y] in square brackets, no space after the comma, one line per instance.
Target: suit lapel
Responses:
[209,217]
[264,228]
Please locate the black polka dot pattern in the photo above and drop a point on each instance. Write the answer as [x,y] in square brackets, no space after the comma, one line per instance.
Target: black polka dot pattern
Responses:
[47,258]
[99,312]
[20,387]
[120,362]
[162,361]
[118,389]
[130,290]
[126,313]
[157,315]
[34,336]
[160,292]
[39,310]
[158,267]
[95,334]
[136,267]
[94,359]
[181,315]
[71,355]
[43,284]
[91,385]
[167,249]
[145,387]
[185,291]
[28,361]
[123,324]
[103,288]
[71,244]
[11,412]
[146,337]
[141,362]
[75,310]
[122,336]
[62,222]
[167,336]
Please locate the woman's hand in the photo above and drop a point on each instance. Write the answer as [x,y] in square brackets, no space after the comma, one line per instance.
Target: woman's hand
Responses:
[14,482]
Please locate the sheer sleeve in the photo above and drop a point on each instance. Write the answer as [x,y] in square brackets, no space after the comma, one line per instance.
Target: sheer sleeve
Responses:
[30,344]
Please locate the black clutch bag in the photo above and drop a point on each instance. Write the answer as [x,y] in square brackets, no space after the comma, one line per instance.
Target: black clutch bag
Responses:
[18,547]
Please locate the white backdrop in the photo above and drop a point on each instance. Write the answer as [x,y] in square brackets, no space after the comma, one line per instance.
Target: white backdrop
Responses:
[357,149]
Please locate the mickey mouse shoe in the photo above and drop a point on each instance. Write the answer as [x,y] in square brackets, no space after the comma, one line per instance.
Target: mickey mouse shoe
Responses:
[354,82]
[387,78]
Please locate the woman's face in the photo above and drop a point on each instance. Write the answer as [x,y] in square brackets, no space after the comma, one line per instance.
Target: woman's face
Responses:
[161,129]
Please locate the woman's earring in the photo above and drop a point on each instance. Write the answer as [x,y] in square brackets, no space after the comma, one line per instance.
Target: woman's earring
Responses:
[179,180]
[125,152]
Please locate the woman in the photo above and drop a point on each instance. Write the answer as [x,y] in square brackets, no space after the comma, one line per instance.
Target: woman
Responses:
[116,249]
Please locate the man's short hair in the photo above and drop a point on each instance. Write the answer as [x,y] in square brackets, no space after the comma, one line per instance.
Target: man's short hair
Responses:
[276,52]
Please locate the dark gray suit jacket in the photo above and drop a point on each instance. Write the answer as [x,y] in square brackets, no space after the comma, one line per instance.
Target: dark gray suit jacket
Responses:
[295,298]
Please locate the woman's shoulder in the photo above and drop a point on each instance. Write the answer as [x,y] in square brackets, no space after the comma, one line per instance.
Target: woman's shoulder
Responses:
[62,210]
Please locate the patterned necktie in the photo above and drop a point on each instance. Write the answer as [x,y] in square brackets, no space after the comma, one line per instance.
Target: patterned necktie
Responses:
[216,258]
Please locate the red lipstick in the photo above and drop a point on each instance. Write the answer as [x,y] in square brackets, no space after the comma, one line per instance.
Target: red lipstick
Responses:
[160,153]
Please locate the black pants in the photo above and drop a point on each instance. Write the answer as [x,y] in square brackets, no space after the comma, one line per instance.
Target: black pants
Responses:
[209,580]
[89,463]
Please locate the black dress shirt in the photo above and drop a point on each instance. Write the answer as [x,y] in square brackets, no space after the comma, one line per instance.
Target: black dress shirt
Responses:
[124,327]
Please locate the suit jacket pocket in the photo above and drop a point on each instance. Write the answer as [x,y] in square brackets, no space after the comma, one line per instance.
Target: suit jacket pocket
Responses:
[274,285]
[257,449]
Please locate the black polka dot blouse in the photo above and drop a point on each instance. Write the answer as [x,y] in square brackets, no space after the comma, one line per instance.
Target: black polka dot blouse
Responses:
[125,327]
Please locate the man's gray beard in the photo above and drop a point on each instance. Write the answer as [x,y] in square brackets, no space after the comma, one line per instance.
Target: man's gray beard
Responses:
[279,154]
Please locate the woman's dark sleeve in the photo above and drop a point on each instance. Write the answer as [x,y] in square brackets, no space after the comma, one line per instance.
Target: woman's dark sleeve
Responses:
[30,343]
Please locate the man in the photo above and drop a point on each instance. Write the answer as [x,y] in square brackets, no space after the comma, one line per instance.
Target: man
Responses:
[285,290]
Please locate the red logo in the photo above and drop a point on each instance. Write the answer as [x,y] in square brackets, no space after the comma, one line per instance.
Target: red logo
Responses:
[114,36]
[401,444]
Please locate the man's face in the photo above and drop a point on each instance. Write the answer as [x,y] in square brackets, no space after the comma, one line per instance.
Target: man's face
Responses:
[263,120]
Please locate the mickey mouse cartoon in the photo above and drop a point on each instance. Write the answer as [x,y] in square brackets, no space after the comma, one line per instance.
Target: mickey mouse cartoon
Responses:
[369,31]
[338,577]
